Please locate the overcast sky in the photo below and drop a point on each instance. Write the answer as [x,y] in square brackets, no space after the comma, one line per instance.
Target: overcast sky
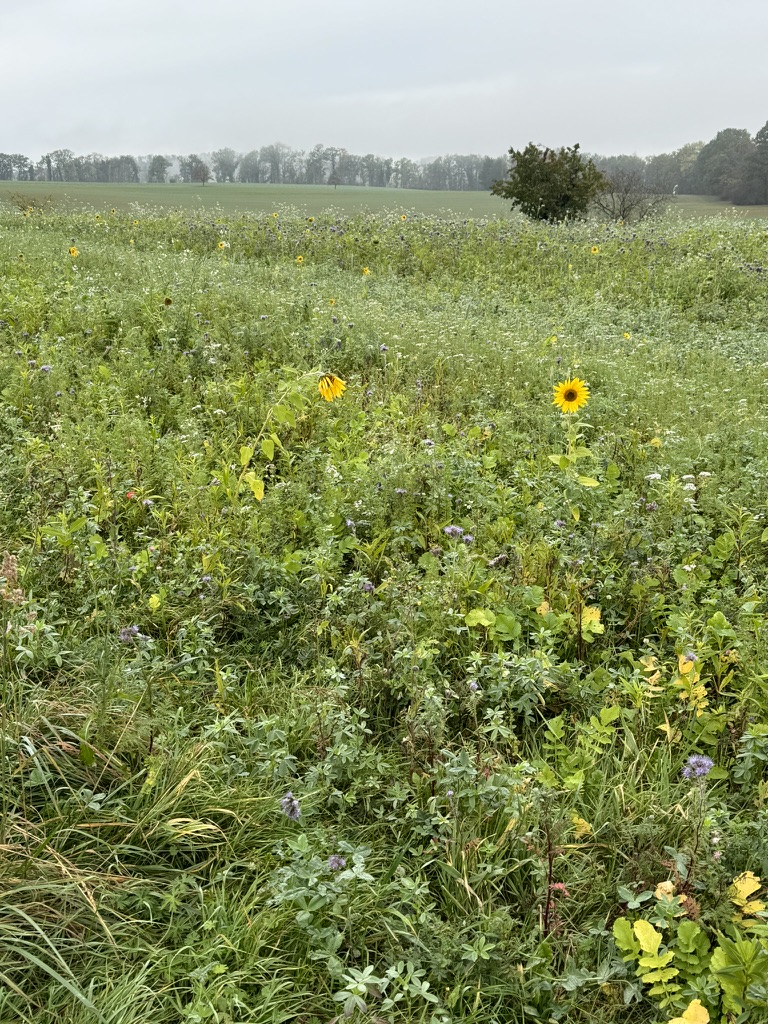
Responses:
[392,77]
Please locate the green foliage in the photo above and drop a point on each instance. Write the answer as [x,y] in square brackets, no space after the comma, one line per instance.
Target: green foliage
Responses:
[550,184]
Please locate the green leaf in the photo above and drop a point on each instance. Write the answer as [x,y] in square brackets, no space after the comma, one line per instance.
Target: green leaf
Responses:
[480,617]
[246,454]
[268,448]
[588,481]
[256,485]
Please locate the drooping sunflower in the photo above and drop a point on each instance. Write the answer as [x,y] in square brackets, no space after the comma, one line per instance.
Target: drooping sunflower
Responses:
[330,386]
[570,395]
[74,252]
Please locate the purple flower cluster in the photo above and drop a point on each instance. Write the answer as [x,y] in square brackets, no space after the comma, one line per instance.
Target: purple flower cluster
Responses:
[289,805]
[453,531]
[129,633]
[336,862]
[698,766]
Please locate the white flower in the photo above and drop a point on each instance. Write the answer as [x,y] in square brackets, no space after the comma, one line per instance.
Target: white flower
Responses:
[688,476]
[689,487]
[653,476]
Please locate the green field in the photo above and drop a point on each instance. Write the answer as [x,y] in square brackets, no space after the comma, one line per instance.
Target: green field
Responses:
[306,199]
[342,673]
[231,199]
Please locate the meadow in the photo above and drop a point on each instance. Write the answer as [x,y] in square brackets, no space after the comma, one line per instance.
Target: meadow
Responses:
[344,674]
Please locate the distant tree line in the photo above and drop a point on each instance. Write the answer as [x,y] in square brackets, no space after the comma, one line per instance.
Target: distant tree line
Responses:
[732,166]
[275,164]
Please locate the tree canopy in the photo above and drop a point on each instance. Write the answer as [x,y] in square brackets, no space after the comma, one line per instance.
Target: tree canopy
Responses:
[550,184]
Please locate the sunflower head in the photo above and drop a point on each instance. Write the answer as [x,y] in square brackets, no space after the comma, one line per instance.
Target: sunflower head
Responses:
[221,244]
[74,252]
[366,271]
[595,250]
[403,217]
[570,395]
[330,386]
[299,260]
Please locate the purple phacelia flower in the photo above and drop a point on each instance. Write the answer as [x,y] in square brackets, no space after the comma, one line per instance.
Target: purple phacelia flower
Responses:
[336,862]
[289,805]
[698,766]
[129,633]
[453,531]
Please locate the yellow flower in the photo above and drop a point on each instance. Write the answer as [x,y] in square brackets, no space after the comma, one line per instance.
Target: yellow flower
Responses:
[332,302]
[299,260]
[664,891]
[154,602]
[275,216]
[221,244]
[627,335]
[97,217]
[570,395]
[581,827]
[366,271]
[595,250]
[74,252]
[310,220]
[135,223]
[403,217]
[113,210]
[330,386]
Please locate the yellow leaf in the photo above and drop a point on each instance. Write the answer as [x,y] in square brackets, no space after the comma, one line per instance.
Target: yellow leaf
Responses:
[655,442]
[581,827]
[744,885]
[647,936]
[694,1013]
[154,602]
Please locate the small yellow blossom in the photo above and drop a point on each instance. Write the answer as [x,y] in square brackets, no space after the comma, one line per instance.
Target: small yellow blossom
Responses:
[330,386]
[74,252]
[627,335]
[595,250]
[664,891]
[332,302]
[299,260]
[403,217]
[581,827]
[221,244]
[154,602]
[366,271]
[310,220]
[135,223]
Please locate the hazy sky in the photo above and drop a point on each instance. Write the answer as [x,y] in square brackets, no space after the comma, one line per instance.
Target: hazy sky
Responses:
[393,77]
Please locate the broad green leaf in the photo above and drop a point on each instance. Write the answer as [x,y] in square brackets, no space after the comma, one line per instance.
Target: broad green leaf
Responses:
[588,481]
[480,617]
[246,454]
[268,448]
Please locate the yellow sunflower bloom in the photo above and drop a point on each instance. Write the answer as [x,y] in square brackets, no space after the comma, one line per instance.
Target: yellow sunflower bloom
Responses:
[221,244]
[330,386]
[299,260]
[403,217]
[366,271]
[570,395]
[595,250]
[74,252]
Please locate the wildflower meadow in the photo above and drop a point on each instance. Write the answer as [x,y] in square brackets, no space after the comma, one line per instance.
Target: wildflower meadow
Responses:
[384,623]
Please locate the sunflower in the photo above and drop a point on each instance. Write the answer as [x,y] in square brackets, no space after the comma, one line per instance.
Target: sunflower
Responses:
[299,260]
[330,386]
[221,244]
[595,250]
[366,271]
[570,395]
[74,252]
[403,217]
